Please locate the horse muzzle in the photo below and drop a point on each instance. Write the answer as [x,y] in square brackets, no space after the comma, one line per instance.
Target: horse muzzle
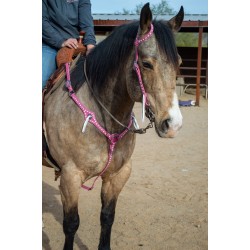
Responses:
[167,129]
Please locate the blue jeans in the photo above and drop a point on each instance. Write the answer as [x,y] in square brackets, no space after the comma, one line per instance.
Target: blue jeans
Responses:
[49,63]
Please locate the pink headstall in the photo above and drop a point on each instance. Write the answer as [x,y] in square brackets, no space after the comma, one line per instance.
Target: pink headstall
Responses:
[137,42]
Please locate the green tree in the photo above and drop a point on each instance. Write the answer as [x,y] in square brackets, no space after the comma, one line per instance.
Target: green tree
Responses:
[190,39]
[157,9]
[126,12]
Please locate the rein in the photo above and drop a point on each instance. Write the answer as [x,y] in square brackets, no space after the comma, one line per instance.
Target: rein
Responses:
[90,116]
[138,130]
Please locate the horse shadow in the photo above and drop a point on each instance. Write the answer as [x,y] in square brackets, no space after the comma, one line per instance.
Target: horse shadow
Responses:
[54,207]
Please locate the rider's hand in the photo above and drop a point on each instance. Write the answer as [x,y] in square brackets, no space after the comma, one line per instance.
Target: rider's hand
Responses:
[70,43]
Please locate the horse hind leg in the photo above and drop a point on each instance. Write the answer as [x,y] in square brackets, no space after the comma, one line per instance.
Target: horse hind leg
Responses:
[70,183]
[111,189]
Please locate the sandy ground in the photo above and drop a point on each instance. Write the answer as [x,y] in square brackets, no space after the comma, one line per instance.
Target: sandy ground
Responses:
[164,204]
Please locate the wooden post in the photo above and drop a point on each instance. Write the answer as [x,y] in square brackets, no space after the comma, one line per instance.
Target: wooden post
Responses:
[198,76]
[206,79]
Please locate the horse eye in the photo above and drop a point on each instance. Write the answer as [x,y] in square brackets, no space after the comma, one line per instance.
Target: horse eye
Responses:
[147,65]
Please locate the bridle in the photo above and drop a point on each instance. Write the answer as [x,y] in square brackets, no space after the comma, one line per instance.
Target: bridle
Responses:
[90,116]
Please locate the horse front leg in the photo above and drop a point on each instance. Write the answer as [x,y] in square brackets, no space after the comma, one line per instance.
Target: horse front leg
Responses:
[70,183]
[111,188]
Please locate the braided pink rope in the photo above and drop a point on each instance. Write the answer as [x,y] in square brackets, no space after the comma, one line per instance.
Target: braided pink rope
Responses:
[113,138]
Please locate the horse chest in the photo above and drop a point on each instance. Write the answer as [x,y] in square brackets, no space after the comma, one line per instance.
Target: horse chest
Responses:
[97,153]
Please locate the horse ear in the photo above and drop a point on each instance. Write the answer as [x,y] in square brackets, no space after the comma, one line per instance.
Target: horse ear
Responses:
[176,21]
[145,19]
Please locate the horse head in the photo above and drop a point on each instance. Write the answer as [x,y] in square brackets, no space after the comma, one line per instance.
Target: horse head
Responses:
[158,62]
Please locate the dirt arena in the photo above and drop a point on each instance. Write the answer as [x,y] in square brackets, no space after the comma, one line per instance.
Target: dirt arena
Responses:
[164,205]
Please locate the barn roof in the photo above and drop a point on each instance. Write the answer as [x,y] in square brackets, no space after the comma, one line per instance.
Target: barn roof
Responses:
[131,17]
[106,22]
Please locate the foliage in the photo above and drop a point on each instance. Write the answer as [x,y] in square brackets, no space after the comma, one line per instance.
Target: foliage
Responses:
[186,39]
[157,9]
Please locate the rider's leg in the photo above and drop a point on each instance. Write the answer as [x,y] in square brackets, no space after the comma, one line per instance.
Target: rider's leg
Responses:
[49,63]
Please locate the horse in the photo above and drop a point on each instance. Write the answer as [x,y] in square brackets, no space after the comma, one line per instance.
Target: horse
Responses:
[89,123]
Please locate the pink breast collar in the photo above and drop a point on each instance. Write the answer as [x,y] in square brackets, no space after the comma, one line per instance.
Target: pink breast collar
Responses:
[89,116]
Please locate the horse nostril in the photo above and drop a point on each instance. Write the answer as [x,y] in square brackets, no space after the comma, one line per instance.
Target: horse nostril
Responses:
[165,125]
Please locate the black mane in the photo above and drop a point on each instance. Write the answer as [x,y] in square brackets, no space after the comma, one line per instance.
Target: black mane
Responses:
[112,53]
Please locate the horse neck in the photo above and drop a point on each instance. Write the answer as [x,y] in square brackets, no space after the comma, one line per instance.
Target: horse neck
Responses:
[119,104]
[117,101]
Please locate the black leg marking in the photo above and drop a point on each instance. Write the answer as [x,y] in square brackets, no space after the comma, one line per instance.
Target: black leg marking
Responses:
[71,223]
[107,219]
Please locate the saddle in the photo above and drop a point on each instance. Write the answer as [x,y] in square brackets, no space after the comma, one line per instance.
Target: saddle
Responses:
[64,55]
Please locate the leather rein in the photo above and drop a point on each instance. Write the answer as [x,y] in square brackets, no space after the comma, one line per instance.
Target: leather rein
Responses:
[146,110]
[149,113]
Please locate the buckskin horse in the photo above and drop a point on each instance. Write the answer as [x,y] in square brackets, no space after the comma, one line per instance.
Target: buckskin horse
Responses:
[89,123]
